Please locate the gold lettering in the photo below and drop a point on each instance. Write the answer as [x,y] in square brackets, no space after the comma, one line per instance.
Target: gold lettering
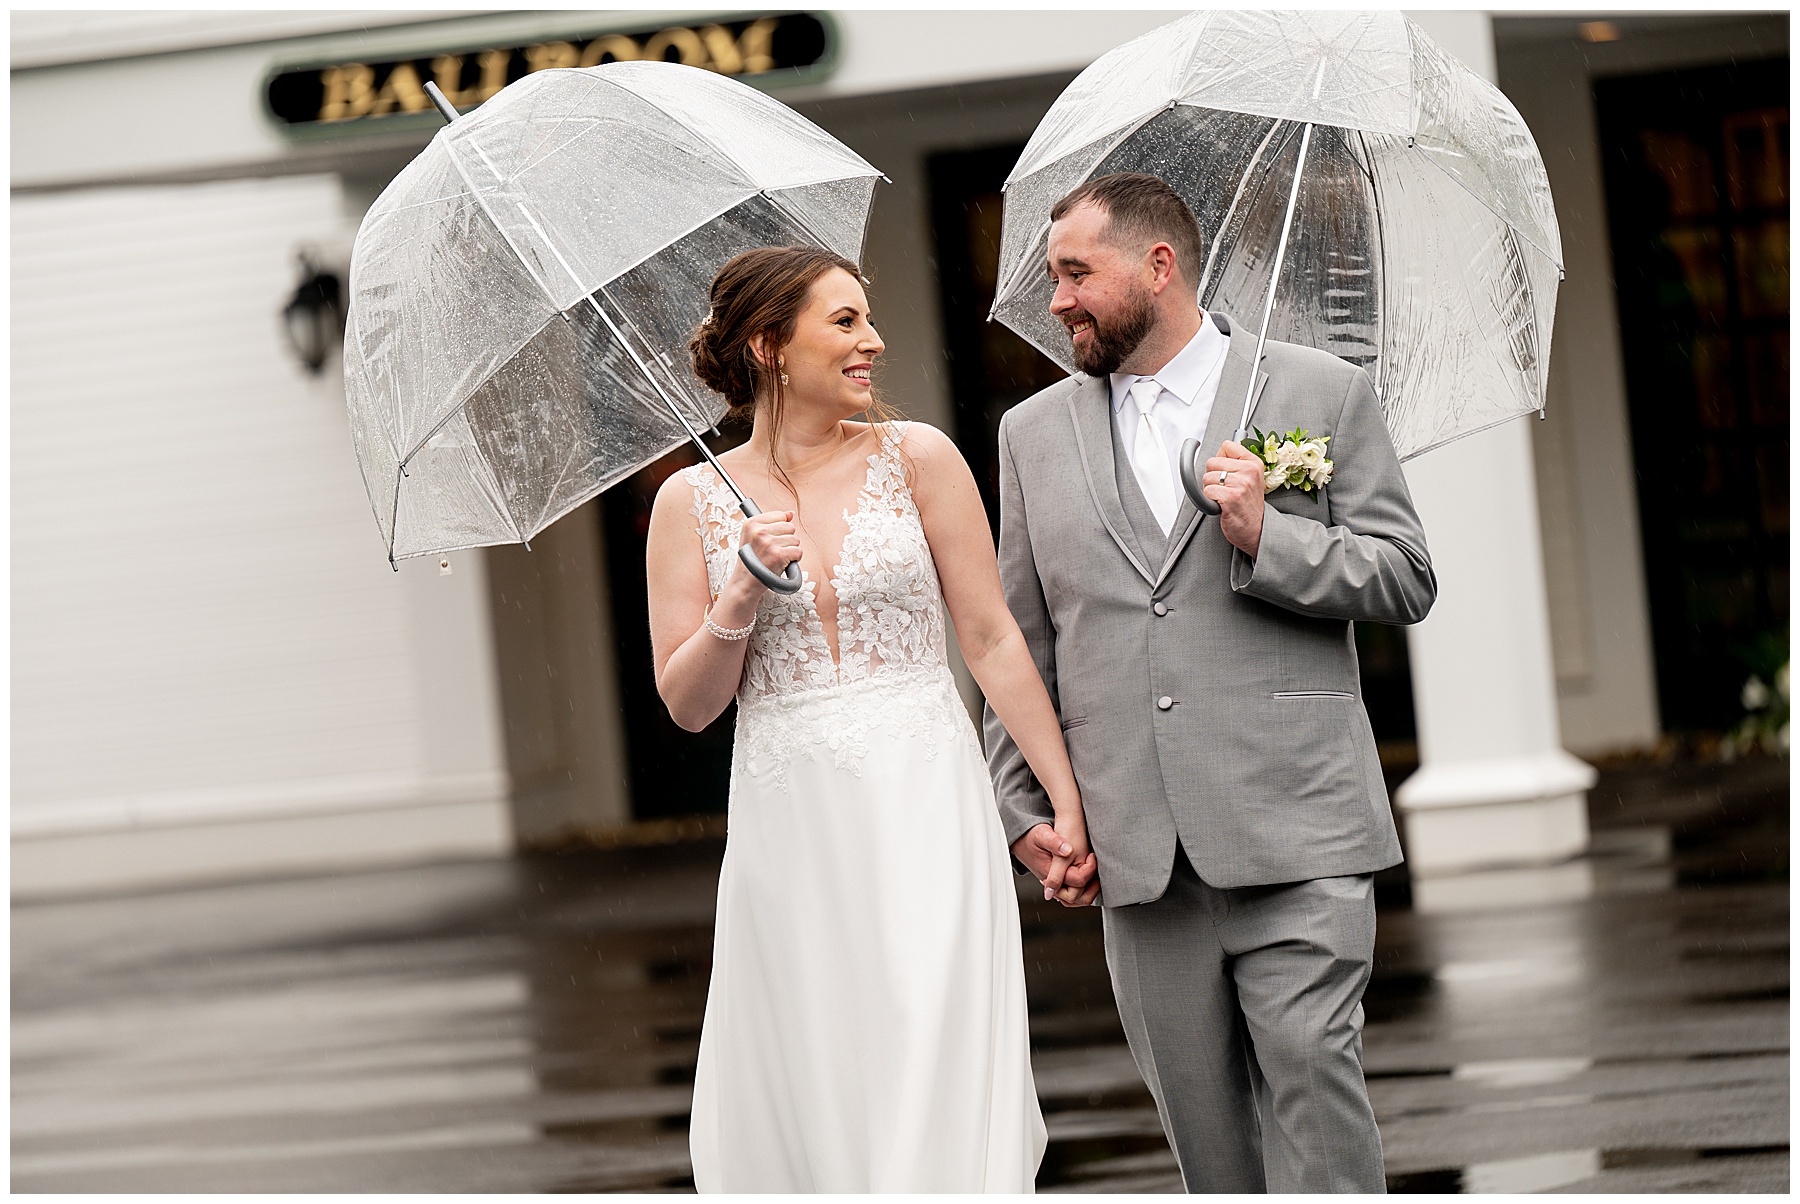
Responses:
[756,46]
[622,49]
[722,48]
[349,92]
[493,73]
[403,91]
[547,55]
[686,42]
[447,70]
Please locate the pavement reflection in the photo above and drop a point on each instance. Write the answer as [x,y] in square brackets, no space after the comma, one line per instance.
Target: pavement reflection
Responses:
[532,1025]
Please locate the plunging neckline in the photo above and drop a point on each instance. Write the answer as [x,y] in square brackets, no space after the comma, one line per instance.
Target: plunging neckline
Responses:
[833,643]
[889,615]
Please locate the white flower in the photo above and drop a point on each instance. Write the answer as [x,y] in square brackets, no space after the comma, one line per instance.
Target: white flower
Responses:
[1294,461]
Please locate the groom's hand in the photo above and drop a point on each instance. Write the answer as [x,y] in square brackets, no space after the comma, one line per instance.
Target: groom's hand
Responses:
[1045,853]
[1239,495]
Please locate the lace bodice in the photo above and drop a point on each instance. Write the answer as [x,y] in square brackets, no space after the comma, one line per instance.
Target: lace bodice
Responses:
[892,673]
[890,607]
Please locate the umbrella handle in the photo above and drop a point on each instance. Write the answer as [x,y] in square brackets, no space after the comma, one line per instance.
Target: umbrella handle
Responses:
[785,582]
[1190,482]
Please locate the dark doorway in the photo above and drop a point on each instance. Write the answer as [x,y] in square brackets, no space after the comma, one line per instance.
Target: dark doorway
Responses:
[992,370]
[1696,185]
[673,772]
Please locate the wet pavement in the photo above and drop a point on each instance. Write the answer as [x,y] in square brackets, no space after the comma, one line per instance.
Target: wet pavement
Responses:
[531,1025]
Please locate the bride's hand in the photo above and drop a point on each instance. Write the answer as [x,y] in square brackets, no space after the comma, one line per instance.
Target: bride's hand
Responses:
[1072,878]
[774,539]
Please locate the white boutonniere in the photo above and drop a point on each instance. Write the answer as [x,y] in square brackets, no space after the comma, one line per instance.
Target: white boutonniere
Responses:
[1290,461]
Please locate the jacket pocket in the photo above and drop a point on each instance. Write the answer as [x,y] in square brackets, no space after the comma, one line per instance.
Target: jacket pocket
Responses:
[1312,694]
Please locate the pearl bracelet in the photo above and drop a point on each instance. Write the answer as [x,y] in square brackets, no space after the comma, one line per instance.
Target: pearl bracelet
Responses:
[731,634]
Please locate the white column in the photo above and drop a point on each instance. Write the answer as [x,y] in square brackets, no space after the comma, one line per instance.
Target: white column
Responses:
[1497,811]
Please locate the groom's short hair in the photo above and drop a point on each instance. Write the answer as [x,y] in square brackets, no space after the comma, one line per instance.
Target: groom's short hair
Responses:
[1143,210]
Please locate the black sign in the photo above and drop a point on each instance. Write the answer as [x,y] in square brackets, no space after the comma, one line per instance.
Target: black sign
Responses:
[787,47]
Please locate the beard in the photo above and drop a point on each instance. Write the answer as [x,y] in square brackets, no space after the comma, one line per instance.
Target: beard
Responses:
[1114,340]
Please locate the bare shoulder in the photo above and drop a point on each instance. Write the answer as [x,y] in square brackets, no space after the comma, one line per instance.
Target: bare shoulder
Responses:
[676,495]
[933,455]
[923,439]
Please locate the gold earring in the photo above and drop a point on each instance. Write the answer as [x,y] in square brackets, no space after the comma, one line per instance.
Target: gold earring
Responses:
[779,364]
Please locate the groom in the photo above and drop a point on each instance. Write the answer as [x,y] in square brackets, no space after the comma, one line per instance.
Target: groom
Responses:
[1206,678]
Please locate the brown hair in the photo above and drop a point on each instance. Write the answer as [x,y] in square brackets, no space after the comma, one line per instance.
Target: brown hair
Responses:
[1143,209]
[761,292]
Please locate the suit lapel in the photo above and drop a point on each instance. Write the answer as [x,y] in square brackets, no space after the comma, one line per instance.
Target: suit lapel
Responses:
[1221,424]
[1090,411]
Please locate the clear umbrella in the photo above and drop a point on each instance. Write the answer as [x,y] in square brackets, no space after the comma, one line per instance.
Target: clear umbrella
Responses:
[1402,190]
[522,294]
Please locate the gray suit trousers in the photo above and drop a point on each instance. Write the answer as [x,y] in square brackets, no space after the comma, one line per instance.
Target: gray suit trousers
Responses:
[1243,1009]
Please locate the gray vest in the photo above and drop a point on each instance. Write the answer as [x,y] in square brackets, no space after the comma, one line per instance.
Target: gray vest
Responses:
[1152,544]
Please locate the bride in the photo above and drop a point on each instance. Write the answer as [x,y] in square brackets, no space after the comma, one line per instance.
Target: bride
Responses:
[865,1026]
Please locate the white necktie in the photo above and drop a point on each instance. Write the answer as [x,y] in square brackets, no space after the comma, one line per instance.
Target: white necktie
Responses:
[1150,457]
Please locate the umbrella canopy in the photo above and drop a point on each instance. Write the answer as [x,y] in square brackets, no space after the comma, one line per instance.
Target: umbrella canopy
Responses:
[522,294]
[1424,245]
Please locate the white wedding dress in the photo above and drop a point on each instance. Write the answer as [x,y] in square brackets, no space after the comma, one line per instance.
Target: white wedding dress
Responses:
[865,1026]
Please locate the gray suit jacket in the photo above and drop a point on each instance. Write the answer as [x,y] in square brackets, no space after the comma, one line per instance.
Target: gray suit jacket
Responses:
[1262,763]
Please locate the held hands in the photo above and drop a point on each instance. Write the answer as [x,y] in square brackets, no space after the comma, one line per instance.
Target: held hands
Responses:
[1240,497]
[1059,857]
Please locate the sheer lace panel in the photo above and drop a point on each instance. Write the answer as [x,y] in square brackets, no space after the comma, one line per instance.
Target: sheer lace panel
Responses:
[890,606]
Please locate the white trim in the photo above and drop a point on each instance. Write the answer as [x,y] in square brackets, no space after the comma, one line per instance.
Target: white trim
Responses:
[1547,775]
[146,858]
[59,38]
[253,802]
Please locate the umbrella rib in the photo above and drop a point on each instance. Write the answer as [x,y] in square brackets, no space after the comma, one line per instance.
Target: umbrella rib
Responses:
[1125,132]
[481,200]
[562,119]
[1243,184]
[526,262]
[625,315]
[394,520]
[1483,202]
[726,151]
[636,358]
[799,220]
[461,405]
[1381,359]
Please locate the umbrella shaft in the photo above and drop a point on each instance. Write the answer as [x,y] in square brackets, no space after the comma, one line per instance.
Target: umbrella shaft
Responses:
[1262,336]
[649,375]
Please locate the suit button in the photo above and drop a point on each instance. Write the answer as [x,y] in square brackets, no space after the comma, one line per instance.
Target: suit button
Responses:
[1160,610]
[1164,703]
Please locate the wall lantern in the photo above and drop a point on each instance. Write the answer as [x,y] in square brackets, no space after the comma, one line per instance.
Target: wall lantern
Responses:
[314,317]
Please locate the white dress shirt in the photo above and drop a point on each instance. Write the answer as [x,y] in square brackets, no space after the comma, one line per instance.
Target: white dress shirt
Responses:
[1190,382]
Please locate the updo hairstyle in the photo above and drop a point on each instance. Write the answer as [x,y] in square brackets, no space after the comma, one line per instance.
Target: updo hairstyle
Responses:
[761,292]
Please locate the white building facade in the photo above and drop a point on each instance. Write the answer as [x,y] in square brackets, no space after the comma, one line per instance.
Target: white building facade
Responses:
[215,671]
